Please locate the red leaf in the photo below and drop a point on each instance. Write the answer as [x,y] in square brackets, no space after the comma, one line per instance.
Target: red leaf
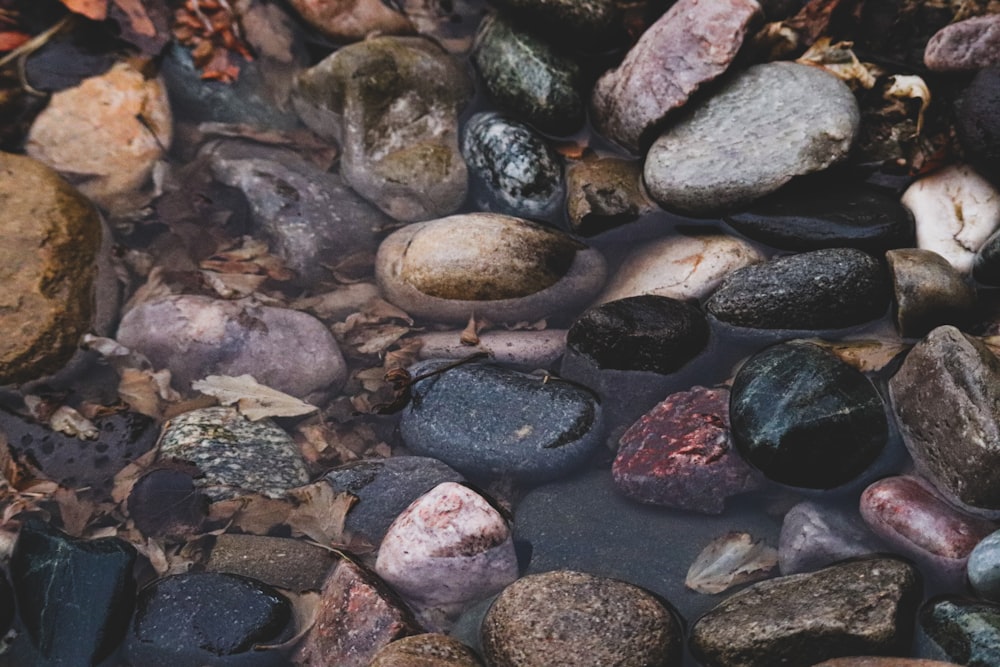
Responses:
[143,23]
[12,39]
[92,9]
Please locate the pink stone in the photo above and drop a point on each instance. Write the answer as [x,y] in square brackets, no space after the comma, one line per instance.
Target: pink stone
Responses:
[971,44]
[680,454]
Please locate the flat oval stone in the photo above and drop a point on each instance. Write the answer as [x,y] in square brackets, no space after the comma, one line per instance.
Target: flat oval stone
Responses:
[977,120]
[971,44]
[964,630]
[929,291]
[487,422]
[512,169]
[863,606]
[801,120]
[822,289]
[527,77]
[427,650]
[640,333]
[815,535]
[499,267]
[278,561]
[571,618]
[983,568]
[805,418]
[827,215]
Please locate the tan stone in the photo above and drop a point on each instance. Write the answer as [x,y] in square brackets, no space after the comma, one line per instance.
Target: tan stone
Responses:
[428,650]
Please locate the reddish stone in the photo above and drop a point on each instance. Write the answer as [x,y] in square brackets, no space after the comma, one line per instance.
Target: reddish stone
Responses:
[967,45]
[680,454]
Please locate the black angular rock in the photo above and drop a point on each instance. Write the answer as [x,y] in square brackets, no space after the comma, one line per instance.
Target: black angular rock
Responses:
[966,631]
[75,596]
[640,333]
[977,122]
[805,418]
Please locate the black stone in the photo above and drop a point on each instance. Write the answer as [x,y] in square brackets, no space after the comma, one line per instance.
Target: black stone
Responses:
[822,289]
[986,268]
[582,24]
[805,418]
[189,620]
[977,122]
[827,215]
[8,605]
[640,333]
[967,631]
[75,596]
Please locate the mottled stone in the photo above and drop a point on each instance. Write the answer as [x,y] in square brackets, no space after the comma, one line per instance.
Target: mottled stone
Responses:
[287,563]
[690,45]
[573,619]
[527,77]
[907,515]
[971,44]
[640,333]
[448,549]
[762,128]
[862,606]
[523,350]
[351,20]
[681,267]
[234,454]
[582,24]
[680,454]
[822,289]
[983,568]
[196,336]
[502,268]
[358,615]
[487,421]
[955,210]
[189,620]
[815,535]
[512,169]
[805,418]
[964,630]
[946,396]
[384,488]
[392,104]
[428,650]
[929,291]
[977,121]
[603,193]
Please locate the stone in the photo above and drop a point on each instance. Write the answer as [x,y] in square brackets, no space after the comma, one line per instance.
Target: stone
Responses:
[8,604]
[310,217]
[188,620]
[565,618]
[945,396]
[351,20]
[864,606]
[591,24]
[986,265]
[929,292]
[873,661]
[487,421]
[815,535]
[963,630]
[105,136]
[641,333]
[512,169]
[955,210]
[283,562]
[233,454]
[822,289]
[392,104]
[51,240]
[499,267]
[385,488]
[197,336]
[604,193]
[690,45]
[827,213]
[977,121]
[681,267]
[983,568]
[763,127]
[74,596]
[805,418]
[358,615]
[526,76]
[971,44]
[427,650]
[680,454]
[905,513]
[448,549]
[523,350]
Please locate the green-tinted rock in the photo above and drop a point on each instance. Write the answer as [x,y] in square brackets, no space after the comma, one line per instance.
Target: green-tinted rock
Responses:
[581,24]
[967,631]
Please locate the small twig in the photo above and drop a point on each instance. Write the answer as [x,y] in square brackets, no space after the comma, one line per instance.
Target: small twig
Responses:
[36,42]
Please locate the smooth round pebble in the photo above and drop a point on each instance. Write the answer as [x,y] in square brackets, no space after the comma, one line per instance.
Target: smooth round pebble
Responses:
[977,121]
[984,567]
[427,650]
[929,291]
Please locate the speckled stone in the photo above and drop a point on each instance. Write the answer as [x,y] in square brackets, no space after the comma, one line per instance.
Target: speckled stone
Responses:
[762,128]
[984,568]
[234,454]
[582,24]
[527,77]
[865,606]
[977,121]
[815,535]
[929,291]
[511,168]
[572,619]
[971,44]
[428,650]
[279,561]
[964,630]
[603,193]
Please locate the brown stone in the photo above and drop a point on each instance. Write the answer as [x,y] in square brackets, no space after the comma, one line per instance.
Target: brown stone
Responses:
[352,19]
[971,44]
[279,561]
[605,193]
[929,291]
[429,650]
[883,662]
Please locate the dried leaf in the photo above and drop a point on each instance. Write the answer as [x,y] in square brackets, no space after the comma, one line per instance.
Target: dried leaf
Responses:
[96,10]
[152,290]
[143,23]
[905,87]
[867,355]
[67,420]
[470,334]
[320,513]
[254,400]
[76,512]
[146,391]
[340,303]
[233,285]
[730,560]
[839,59]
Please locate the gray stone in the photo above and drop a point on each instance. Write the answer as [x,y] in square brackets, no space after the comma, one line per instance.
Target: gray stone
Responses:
[929,291]
[964,630]
[427,650]
[603,193]
[763,127]
[822,289]
[984,568]
[279,561]
[527,77]
[815,535]
[693,43]
[582,24]
[864,607]
[573,619]
[971,44]
[977,121]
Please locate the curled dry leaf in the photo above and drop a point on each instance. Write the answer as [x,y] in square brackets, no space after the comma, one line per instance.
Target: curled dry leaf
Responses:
[867,355]
[839,59]
[146,391]
[254,400]
[909,87]
[61,418]
[730,560]
[305,607]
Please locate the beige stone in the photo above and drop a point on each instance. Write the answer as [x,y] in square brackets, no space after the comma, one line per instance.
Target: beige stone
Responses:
[428,650]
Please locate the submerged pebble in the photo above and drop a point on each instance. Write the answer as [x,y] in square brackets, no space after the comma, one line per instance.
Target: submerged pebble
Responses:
[983,568]
[963,629]
[929,291]
[815,535]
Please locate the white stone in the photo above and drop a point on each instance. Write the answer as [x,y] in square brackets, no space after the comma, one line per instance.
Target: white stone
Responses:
[954,210]
[448,549]
[680,267]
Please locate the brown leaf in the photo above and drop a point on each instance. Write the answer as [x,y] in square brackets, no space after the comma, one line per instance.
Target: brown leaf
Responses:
[96,10]
[143,23]
[320,513]
[76,512]
[730,560]
[130,474]
[254,400]
[146,391]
